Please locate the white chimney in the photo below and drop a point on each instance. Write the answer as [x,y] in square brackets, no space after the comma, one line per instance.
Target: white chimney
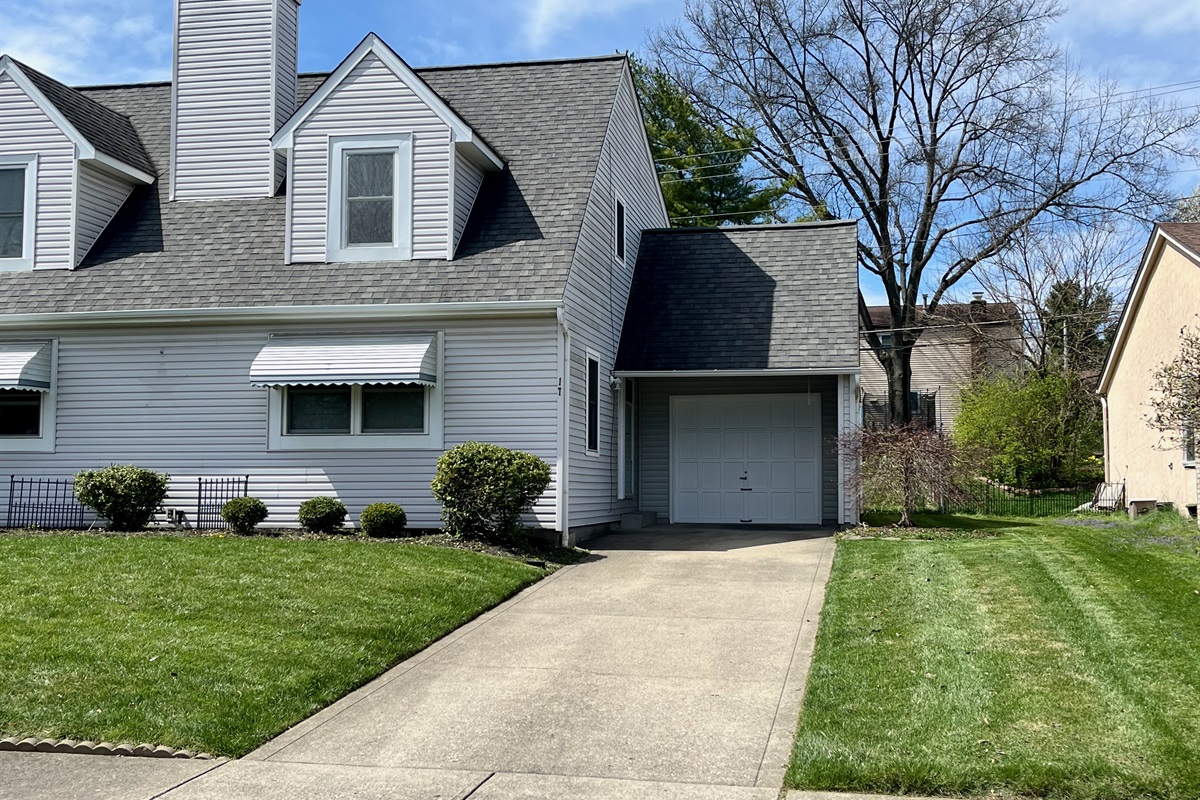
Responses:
[234,84]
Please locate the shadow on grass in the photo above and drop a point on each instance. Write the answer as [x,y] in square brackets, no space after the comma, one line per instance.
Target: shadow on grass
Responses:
[951,521]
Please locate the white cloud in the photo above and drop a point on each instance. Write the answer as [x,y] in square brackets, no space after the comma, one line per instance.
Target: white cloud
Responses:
[546,18]
[89,41]
[1133,16]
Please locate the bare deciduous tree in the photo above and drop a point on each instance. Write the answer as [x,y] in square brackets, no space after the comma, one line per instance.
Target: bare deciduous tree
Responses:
[947,126]
[1092,262]
[1175,400]
[907,467]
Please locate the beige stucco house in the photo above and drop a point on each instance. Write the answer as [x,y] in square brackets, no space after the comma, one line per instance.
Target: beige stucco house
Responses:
[961,341]
[1165,299]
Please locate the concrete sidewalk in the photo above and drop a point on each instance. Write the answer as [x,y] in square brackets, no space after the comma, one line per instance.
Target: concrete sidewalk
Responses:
[669,665]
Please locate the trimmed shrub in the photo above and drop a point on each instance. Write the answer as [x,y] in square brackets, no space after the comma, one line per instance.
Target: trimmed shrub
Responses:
[382,520]
[244,513]
[484,489]
[125,495]
[322,515]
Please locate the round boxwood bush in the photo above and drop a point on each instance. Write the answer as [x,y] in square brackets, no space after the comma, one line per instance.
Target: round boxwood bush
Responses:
[382,520]
[244,513]
[322,514]
[484,489]
[125,495]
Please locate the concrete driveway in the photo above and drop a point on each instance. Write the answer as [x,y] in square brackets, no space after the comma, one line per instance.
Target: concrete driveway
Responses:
[669,665]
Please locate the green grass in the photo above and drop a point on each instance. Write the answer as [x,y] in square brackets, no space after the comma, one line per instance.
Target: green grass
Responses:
[216,644]
[1060,659]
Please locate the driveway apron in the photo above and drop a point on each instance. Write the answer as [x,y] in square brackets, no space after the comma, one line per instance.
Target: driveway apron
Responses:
[669,664]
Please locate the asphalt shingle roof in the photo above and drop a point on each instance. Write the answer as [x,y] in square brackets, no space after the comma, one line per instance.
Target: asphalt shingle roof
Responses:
[952,313]
[546,119]
[755,297]
[109,132]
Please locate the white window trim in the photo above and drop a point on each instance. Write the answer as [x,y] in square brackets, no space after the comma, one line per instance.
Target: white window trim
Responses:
[45,442]
[618,256]
[402,208]
[431,439]
[29,163]
[589,356]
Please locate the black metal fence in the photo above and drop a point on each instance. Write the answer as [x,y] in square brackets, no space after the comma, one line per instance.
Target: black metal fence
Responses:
[45,503]
[212,494]
[1002,501]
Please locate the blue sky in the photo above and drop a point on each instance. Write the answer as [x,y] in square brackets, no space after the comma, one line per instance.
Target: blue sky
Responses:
[106,41]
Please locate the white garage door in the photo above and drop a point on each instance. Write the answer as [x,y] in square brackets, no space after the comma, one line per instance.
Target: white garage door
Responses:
[746,458]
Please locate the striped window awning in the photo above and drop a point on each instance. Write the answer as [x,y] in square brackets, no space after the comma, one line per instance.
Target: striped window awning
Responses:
[25,365]
[338,360]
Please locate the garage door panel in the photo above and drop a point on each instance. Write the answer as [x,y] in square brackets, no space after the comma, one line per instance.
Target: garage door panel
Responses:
[687,443]
[772,440]
[758,443]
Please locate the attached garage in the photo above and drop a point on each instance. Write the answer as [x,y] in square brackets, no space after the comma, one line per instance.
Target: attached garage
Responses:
[738,372]
[746,459]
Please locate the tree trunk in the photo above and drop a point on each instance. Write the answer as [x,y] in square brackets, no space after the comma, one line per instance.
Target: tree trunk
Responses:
[897,365]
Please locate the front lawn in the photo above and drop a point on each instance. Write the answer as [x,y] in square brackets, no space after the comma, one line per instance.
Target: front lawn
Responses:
[216,644]
[1057,659]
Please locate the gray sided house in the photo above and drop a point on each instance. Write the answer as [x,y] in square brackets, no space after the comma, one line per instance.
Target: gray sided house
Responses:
[324,281]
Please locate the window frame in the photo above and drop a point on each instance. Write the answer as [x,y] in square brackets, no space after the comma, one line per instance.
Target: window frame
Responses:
[340,147]
[620,229]
[591,403]
[1191,443]
[45,441]
[29,165]
[431,439]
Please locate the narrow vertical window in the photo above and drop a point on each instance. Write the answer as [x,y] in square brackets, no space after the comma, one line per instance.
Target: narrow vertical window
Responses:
[12,212]
[620,231]
[593,405]
[631,461]
[1189,447]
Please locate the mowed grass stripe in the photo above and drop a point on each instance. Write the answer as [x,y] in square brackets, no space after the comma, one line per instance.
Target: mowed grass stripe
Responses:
[217,644]
[1063,661]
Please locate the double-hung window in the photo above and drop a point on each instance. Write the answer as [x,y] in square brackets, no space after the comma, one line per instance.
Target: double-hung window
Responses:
[18,201]
[370,199]
[369,392]
[27,396]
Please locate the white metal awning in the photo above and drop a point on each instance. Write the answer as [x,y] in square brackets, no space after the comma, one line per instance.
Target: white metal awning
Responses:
[337,360]
[25,365]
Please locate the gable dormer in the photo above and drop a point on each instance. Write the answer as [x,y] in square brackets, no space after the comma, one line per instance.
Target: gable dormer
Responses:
[380,168]
[67,165]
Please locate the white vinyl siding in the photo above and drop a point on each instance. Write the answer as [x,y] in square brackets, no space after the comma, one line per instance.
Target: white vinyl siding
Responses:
[228,96]
[26,130]
[654,424]
[100,197]
[467,180]
[179,400]
[286,43]
[372,101]
[596,295]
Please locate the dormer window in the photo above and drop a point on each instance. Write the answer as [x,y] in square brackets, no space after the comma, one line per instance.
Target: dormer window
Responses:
[18,197]
[370,199]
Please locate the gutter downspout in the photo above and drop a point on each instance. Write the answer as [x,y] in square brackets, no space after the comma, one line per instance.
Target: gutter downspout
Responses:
[564,429]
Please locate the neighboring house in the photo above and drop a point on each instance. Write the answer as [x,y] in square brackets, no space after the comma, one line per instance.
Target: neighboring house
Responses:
[325,281]
[1165,299]
[961,342]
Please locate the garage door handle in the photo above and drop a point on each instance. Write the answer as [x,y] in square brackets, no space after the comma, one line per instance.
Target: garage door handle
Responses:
[747,489]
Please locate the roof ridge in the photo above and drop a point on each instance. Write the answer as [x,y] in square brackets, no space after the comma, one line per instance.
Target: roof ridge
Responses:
[825,223]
